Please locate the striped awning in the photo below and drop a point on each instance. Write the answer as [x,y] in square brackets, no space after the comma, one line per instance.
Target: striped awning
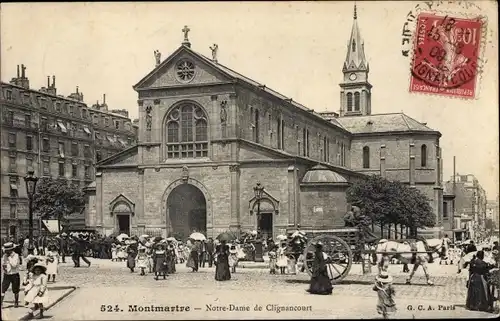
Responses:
[122,142]
[51,226]
[63,128]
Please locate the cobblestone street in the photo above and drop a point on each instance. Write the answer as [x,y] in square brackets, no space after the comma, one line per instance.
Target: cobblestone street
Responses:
[107,283]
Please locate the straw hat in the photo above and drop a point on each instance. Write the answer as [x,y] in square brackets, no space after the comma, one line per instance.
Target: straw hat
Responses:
[384,277]
[318,244]
[39,265]
[9,246]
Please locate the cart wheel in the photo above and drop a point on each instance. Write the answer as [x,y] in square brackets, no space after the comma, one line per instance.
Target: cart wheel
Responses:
[337,253]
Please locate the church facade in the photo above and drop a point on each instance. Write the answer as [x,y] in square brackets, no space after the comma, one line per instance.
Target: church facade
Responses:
[208,136]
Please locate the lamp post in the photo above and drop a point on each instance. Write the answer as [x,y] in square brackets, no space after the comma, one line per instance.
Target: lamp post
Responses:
[31,181]
[259,255]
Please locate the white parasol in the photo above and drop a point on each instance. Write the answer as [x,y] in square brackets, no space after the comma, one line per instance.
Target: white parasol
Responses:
[254,232]
[468,257]
[197,236]
[122,236]
[298,234]
[171,239]
[128,242]
[281,237]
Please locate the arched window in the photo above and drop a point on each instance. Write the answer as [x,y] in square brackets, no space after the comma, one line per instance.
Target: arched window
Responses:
[187,132]
[423,156]
[356,101]
[366,157]
[349,101]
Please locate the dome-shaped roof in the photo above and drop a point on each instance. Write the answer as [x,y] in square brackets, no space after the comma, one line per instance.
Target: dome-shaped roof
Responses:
[323,175]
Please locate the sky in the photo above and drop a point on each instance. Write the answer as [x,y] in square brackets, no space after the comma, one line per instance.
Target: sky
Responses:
[296,48]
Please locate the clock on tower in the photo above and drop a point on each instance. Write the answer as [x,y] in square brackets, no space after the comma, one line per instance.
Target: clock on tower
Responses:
[353,76]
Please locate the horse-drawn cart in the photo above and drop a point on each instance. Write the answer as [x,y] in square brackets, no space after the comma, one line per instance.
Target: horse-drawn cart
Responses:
[340,246]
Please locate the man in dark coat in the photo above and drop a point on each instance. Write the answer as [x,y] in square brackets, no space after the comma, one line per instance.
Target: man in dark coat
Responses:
[470,248]
[210,252]
[203,251]
[82,247]
[63,246]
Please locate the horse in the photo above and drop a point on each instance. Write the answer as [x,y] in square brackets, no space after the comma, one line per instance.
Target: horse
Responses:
[387,250]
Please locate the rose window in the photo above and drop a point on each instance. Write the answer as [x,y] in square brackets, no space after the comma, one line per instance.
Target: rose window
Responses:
[185,71]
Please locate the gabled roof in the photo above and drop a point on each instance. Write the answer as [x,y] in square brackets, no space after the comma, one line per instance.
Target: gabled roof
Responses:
[383,123]
[234,76]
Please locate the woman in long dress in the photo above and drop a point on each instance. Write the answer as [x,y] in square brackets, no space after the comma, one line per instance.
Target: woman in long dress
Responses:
[478,295]
[160,261]
[35,290]
[131,254]
[282,259]
[222,272]
[320,282]
[170,259]
[52,262]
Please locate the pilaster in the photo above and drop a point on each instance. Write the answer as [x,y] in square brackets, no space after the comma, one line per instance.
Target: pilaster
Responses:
[293,197]
[235,199]
[412,165]
[232,119]
[99,201]
[383,152]
[141,218]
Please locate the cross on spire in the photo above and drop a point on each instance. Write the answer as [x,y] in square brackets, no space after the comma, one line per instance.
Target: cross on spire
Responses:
[186,42]
[355,11]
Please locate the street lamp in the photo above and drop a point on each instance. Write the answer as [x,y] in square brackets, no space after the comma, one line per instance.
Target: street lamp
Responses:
[259,255]
[258,190]
[31,181]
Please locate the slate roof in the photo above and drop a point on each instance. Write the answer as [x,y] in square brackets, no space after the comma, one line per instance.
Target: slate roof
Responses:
[382,123]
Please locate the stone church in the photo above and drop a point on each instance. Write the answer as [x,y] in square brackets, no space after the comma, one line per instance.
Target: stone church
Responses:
[208,135]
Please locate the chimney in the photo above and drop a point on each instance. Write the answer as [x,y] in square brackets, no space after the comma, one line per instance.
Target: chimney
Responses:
[23,75]
[18,75]
[54,81]
[77,89]
[104,99]
[48,81]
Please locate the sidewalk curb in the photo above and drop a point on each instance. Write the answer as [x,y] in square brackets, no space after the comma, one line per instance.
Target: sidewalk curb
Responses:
[29,316]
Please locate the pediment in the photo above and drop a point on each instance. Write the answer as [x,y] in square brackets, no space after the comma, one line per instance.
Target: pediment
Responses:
[121,204]
[266,203]
[166,74]
[129,156]
[249,151]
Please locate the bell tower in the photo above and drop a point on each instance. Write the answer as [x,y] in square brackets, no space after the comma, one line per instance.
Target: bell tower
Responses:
[355,94]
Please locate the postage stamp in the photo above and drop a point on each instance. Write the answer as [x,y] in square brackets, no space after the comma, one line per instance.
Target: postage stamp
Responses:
[445,41]
[446,51]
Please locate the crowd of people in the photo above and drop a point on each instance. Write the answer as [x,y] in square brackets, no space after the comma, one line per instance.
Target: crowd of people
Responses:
[158,257]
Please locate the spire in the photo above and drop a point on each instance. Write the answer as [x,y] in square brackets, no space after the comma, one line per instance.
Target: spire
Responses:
[355,59]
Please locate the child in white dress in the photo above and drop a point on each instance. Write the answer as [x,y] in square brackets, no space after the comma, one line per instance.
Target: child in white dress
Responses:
[35,290]
[114,253]
[282,259]
[142,260]
[52,263]
[233,258]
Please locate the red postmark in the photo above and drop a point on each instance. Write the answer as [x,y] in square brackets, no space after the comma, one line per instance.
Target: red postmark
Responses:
[446,54]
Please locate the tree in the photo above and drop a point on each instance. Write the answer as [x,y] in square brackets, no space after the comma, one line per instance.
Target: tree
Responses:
[387,203]
[54,199]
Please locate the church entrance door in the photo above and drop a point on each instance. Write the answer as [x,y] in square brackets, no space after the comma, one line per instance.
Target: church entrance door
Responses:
[123,223]
[265,224]
[186,211]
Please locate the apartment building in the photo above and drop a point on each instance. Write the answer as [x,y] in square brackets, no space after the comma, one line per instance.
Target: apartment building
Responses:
[54,135]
